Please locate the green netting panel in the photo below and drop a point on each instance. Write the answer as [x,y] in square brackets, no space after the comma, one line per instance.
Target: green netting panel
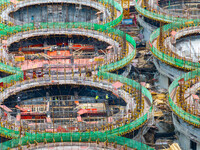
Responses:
[159,17]
[166,58]
[8,68]
[124,61]
[137,122]
[179,111]
[30,26]
[2,2]
[118,7]
[9,133]
[17,73]
[115,77]
[74,137]
[11,78]
[112,23]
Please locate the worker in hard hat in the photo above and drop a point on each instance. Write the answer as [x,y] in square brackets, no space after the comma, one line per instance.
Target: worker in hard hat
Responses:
[107,97]
[56,101]
[96,98]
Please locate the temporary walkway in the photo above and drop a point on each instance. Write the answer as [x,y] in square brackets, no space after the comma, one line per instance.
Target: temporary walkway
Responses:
[167,56]
[159,15]
[74,137]
[103,73]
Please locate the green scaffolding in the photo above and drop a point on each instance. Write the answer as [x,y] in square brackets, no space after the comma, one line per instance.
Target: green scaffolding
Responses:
[192,119]
[180,63]
[74,137]
[102,72]
[158,16]
[113,3]
[110,135]
[16,73]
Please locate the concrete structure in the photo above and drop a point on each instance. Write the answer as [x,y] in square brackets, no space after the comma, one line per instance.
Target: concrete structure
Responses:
[184,102]
[57,11]
[157,13]
[51,97]
[178,43]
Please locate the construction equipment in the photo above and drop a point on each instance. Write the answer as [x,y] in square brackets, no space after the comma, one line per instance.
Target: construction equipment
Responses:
[126,8]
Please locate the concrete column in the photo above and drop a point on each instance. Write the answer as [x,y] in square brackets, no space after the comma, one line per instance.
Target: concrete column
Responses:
[163,81]
[198,146]
[72,57]
[184,142]
[66,20]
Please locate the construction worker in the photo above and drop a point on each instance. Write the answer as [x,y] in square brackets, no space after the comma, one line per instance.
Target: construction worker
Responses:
[96,98]
[107,97]
[56,101]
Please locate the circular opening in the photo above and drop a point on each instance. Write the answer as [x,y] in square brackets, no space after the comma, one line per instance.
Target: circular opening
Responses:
[65,108]
[55,12]
[189,47]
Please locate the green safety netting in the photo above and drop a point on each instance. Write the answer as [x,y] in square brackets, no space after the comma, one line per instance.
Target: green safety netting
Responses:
[2,2]
[179,111]
[102,28]
[9,133]
[118,7]
[158,16]
[138,122]
[10,79]
[120,130]
[74,137]
[189,65]
[124,61]
[112,23]
[9,69]
[18,75]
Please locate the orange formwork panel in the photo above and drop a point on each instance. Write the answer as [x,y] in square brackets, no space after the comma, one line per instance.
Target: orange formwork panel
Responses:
[59,53]
[82,47]
[29,52]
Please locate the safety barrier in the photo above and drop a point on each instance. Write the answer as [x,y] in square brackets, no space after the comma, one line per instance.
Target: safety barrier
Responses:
[103,71]
[110,67]
[190,118]
[112,23]
[74,137]
[159,16]
[7,133]
[174,61]
[138,122]
[133,125]
[101,28]
[117,131]
[17,74]
[175,23]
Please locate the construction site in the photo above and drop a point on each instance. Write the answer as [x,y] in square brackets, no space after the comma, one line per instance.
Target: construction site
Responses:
[99,74]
